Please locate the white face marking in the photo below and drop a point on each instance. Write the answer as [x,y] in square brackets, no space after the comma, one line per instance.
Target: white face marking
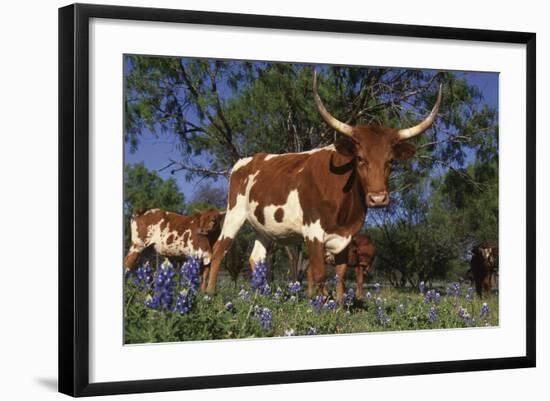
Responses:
[240,163]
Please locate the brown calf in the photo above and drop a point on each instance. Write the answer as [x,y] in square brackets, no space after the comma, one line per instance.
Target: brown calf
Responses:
[484,265]
[359,255]
[173,235]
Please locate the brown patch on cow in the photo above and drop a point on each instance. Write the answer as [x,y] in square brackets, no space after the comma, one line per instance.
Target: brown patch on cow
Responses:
[260,216]
[279,215]
[170,239]
[185,237]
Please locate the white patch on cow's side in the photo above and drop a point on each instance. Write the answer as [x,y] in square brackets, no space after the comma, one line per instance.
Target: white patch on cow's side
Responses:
[240,163]
[291,223]
[235,217]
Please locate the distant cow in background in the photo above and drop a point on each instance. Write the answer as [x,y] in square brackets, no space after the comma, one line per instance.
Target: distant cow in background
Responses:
[359,255]
[173,235]
[484,266]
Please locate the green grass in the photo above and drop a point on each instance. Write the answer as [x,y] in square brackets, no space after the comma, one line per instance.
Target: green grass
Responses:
[209,320]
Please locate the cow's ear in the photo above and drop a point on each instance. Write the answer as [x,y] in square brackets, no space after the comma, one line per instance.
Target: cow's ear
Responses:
[403,151]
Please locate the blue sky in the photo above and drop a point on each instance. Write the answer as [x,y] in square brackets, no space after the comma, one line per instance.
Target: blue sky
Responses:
[155,152]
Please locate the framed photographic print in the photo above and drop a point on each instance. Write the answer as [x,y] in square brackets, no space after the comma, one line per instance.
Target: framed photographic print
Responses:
[235,189]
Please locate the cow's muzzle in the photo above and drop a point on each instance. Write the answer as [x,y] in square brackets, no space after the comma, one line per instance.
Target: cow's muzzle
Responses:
[378,199]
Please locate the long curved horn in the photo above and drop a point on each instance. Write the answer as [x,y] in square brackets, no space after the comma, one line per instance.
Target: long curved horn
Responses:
[330,120]
[407,133]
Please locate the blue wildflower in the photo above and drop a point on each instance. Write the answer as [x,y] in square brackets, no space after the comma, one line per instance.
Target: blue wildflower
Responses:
[190,273]
[311,331]
[163,288]
[266,319]
[330,305]
[293,299]
[229,306]
[184,302]
[349,297]
[381,316]
[432,315]
[470,294]
[278,295]
[377,287]
[465,316]
[432,296]
[244,294]
[144,276]
[294,288]
[484,313]
[259,279]
[317,302]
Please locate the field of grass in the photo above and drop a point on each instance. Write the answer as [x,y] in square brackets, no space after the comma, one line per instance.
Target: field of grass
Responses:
[166,308]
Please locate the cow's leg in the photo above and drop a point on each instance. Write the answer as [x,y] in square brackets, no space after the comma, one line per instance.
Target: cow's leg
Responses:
[204,276]
[478,283]
[359,277]
[316,251]
[341,264]
[310,282]
[487,284]
[132,258]
[234,219]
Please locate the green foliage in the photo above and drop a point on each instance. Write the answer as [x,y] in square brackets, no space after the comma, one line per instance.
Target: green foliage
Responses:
[209,320]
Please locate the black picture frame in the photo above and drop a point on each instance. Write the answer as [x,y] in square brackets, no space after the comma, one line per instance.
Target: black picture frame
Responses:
[74,198]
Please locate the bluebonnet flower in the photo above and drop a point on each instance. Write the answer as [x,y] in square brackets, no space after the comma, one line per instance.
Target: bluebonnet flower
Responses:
[259,279]
[317,302]
[432,296]
[330,305]
[244,294]
[294,288]
[184,302]
[190,273]
[289,333]
[311,331]
[349,297]
[144,276]
[368,295]
[465,316]
[163,288]
[278,295]
[484,313]
[377,287]
[400,308]
[378,301]
[228,306]
[293,299]
[470,294]
[422,286]
[266,319]
[453,290]
[381,316]
[432,315]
